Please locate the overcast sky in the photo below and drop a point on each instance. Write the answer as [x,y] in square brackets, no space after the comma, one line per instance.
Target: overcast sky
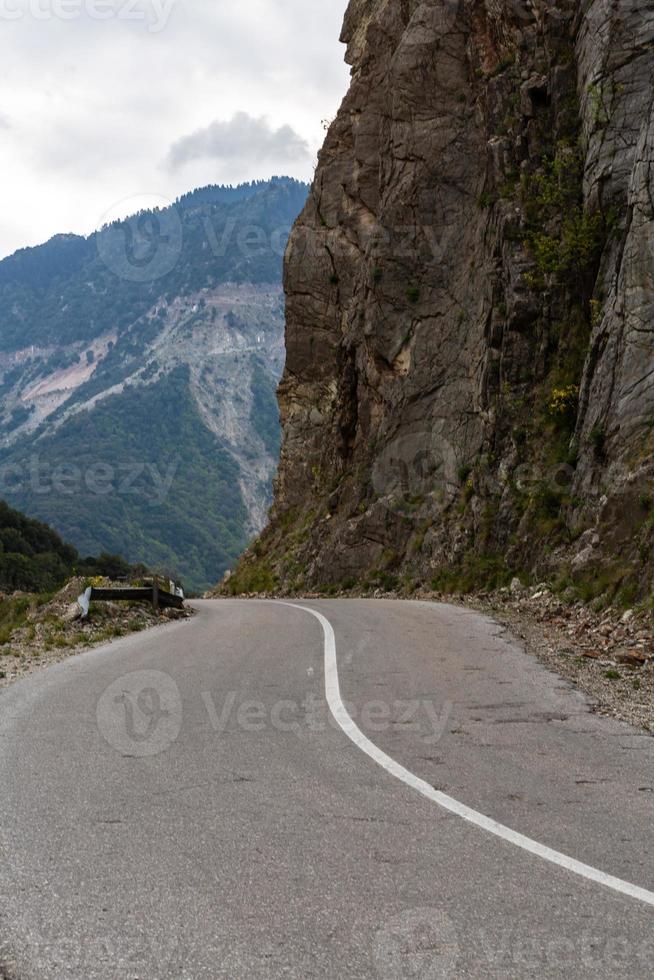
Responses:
[105,101]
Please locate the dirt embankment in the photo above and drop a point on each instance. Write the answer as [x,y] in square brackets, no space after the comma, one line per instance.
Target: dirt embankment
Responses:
[37,631]
[608,654]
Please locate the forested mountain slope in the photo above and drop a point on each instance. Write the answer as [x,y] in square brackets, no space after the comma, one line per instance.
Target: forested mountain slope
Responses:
[138,370]
[33,558]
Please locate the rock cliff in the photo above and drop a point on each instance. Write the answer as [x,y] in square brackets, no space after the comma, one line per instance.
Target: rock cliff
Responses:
[469,386]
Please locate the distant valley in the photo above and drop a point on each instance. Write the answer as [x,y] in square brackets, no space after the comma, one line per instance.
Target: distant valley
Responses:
[139,367]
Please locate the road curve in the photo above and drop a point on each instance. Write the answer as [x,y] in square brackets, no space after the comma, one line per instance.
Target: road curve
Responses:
[182,805]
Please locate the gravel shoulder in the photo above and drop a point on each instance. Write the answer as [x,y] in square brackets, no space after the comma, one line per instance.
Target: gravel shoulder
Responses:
[609,656]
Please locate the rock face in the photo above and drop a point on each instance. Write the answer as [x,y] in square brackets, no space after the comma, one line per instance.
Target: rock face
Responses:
[469,380]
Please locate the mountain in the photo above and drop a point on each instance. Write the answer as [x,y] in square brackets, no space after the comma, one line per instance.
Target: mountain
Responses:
[139,367]
[469,388]
[33,558]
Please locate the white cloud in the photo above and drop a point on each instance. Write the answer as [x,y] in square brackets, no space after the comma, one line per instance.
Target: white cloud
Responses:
[225,92]
[242,138]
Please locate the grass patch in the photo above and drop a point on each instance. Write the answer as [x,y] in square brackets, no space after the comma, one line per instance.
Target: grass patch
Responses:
[503,65]
[254,577]
[603,585]
[13,615]
[478,572]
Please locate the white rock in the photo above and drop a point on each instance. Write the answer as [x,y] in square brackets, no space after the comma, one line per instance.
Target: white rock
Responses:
[584,556]
[73,612]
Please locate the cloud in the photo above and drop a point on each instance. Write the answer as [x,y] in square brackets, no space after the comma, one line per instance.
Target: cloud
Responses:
[92,114]
[4,121]
[243,137]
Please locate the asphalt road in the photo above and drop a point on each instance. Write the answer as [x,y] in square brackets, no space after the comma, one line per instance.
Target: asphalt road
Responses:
[181,805]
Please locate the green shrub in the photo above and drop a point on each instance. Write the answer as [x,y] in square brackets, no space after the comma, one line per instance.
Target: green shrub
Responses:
[503,64]
[252,577]
[477,572]
[486,199]
[562,406]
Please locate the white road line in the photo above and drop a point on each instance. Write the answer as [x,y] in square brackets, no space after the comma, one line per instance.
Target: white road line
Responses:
[337,708]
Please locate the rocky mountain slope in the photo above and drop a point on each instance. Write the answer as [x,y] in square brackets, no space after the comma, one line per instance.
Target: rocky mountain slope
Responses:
[137,408]
[469,385]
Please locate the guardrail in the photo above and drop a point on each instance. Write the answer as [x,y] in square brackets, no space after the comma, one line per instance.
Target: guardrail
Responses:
[159,598]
